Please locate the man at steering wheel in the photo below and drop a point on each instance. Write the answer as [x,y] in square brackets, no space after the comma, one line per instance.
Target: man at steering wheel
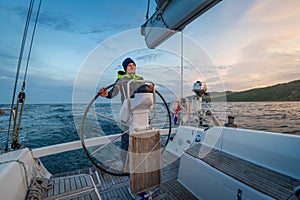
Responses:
[124,77]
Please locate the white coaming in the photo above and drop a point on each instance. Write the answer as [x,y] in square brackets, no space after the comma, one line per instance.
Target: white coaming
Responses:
[17,169]
[206,182]
[276,151]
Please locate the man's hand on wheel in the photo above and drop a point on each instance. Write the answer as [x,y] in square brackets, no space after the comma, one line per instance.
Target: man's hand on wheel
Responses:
[102,92]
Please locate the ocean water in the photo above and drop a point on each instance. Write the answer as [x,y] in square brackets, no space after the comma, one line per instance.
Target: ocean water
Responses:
[49,124]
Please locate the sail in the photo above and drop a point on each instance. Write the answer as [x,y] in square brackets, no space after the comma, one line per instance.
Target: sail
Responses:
[172,16]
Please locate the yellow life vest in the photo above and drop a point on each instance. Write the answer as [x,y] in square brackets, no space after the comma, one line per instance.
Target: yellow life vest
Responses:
[123,74]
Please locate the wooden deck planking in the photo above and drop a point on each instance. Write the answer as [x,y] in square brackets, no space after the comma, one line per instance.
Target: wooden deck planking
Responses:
[170,188]
[269,182]
[73,184]
[79,186]
[117,187]
[176,190]
[87,195]
[258,177]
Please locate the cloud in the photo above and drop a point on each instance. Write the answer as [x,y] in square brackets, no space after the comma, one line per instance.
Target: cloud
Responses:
[256,44]
[271,51]
[54,21]
[273,11]
[18,9]
[265,61]
[7,59]
[148,57]
[264,49]
[105,27]
[57,22]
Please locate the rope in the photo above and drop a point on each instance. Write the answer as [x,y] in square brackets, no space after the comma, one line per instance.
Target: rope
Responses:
[31,43]
[19,66]
[181,65]
[160,17]
[21,97]
[22,94]
[38,187]
[147,13]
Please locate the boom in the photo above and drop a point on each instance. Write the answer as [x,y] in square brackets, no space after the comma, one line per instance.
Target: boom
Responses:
[172,16]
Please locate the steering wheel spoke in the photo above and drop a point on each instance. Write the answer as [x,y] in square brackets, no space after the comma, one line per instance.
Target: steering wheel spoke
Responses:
[109,118]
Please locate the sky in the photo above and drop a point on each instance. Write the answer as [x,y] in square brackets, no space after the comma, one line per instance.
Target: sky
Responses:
[79,45]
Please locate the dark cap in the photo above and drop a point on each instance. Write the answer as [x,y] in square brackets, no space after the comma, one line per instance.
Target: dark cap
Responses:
[126,62]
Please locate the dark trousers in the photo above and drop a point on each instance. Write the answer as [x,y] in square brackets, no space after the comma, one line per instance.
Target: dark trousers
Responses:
[124,147]
[125,142]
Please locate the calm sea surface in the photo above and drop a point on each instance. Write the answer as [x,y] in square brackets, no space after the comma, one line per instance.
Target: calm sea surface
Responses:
[48,124]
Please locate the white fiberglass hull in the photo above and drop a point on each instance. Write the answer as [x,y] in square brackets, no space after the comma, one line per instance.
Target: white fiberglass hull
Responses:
[274,152]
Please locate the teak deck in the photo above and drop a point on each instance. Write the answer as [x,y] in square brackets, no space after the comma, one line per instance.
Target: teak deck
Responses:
[80,186]
[89,181]
[117,187]
[269,182]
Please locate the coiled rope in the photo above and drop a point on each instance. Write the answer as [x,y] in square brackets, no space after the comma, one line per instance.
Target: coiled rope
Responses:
[38,188]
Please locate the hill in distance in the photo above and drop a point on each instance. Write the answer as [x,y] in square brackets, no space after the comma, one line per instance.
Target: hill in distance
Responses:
[281,92]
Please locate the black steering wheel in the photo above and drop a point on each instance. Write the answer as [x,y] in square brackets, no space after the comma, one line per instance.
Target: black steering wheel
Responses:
[103,150]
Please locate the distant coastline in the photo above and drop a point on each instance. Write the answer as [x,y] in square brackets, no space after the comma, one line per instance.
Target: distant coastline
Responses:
[280,92]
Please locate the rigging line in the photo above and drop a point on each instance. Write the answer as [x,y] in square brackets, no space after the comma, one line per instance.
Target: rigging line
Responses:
[181,64]
[18,67]
[147,13]
[31,43]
